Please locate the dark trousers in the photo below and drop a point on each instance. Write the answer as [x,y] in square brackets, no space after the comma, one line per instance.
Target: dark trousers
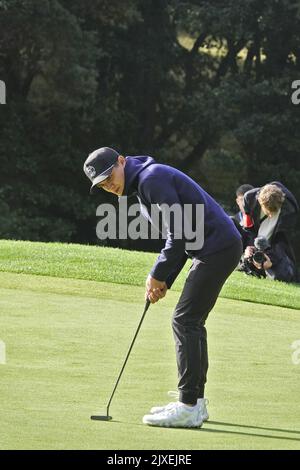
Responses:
[202,287]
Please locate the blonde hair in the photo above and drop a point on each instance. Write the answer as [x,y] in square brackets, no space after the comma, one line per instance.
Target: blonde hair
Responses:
[271,197]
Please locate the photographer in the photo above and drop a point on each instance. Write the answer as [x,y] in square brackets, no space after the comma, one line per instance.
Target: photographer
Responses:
[270,213]
[263,261]
[238,218]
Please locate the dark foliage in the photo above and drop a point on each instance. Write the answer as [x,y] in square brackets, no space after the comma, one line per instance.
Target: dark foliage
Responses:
[204,86]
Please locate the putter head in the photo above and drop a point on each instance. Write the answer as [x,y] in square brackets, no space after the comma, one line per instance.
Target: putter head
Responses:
[101,418]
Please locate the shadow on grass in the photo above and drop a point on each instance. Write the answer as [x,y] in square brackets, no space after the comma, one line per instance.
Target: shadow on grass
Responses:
[265,436]
[253,427]
[224,431]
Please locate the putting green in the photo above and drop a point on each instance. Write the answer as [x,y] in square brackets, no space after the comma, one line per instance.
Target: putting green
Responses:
[66,341]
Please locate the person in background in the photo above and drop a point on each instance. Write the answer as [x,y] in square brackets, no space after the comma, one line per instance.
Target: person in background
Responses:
[240,192]
[238,218]
[270,213]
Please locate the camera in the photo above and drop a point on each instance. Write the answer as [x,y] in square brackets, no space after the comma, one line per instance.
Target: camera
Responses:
[261,245]
[258,257]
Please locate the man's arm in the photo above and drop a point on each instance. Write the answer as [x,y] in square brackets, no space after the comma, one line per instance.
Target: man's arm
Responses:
[172,277]
[248,230]
[248,222]
[164,193]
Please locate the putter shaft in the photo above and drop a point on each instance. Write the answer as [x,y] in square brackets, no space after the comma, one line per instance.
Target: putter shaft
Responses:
[108,417]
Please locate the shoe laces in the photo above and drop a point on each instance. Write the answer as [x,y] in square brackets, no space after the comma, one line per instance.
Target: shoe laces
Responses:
[174,409]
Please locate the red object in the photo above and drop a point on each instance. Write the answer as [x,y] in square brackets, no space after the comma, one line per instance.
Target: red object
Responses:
[248,221]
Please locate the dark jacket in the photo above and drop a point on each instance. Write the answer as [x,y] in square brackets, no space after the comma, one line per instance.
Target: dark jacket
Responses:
[158,184]
[286,221]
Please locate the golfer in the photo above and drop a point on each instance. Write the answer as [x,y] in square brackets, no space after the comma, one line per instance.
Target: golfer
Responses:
[212,263]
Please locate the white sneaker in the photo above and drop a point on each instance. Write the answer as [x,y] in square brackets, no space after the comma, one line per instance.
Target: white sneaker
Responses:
[202,402]
[177,416]
[159,409]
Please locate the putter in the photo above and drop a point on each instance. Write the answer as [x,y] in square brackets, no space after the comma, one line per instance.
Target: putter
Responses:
[107,417]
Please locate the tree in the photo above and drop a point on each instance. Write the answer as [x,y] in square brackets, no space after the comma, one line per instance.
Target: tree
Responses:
[204,86]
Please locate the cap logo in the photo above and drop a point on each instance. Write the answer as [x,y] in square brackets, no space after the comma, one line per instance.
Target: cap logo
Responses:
[91,171]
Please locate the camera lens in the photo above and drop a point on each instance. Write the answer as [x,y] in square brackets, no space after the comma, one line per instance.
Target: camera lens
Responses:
[259,257]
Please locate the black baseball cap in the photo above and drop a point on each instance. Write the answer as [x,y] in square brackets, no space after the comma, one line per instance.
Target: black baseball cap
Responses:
[99,165]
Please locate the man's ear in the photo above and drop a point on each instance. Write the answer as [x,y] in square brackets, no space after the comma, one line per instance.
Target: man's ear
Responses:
[121,160]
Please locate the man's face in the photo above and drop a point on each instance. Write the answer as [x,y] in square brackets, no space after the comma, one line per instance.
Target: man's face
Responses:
[266,211]
[240,202]
[116,181]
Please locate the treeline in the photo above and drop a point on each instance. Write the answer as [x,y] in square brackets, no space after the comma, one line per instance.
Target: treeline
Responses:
[204,86]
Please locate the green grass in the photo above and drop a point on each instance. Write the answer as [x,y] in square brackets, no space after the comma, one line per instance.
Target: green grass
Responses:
[67,327]
[127,267]
[66,340]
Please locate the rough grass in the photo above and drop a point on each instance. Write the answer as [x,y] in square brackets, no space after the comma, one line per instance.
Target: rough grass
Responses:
[127,267]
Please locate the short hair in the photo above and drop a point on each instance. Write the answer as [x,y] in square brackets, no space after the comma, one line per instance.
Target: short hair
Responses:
[241,190]
[271,197]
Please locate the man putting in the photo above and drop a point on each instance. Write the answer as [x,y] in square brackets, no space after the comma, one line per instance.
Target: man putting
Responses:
[163,186]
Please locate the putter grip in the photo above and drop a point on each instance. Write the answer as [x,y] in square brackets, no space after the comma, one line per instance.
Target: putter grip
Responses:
[147,305]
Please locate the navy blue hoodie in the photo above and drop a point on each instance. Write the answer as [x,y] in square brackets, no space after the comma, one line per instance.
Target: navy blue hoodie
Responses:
[154,183]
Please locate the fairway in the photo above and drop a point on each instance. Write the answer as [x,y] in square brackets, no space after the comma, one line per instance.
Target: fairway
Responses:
[66,340]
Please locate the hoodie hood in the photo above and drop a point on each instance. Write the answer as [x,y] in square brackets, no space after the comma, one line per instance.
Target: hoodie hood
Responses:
[134,166]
